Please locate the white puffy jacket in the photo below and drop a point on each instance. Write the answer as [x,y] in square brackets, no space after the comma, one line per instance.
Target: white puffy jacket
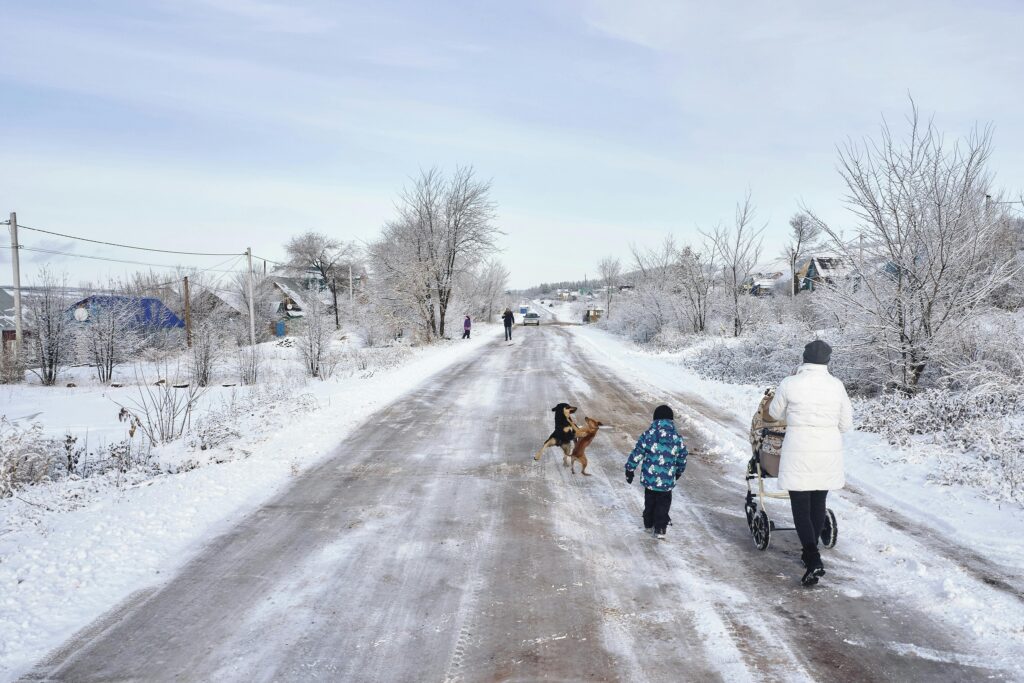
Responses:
[816,409]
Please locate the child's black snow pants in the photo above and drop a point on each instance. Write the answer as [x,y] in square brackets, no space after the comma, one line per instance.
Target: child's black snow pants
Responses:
[808,515]
[656,507]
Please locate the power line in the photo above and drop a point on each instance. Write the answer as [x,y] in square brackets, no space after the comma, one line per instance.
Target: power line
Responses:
[112,260]
[197,271]
[123,246]
[276,263]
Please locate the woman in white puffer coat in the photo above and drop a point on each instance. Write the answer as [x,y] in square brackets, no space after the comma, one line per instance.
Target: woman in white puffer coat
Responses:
[816,410]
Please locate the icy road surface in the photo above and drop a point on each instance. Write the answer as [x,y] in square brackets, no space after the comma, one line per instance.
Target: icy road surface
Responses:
[432,547]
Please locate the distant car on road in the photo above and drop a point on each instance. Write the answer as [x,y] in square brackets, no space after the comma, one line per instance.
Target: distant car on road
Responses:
[531,318]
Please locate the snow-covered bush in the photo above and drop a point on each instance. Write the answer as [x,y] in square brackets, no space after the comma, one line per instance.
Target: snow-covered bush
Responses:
[161,410]
[208,341]
[217,432]
[366,362]
[639,316]
[248,361]
[670,339]
[314,340]
[899,418]
[12,369]
[27,456]
[762,358]
[989,457]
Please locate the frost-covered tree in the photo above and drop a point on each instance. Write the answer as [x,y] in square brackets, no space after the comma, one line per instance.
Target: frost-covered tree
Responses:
[698,276]
[924,247]
[50,338]
[445,226]
[490,282]
[110,335]
[609,269]
[314,338]
[738,248]
[803,235]
[265,307]
[402,280]
[332,259]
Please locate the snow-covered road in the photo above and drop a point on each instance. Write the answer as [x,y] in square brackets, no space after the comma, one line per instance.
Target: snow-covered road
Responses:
[432,547]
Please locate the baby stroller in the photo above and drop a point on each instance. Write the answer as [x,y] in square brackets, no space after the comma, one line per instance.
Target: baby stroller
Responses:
[766,437]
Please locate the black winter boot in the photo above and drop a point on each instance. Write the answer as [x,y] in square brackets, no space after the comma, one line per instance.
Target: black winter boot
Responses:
[812,562]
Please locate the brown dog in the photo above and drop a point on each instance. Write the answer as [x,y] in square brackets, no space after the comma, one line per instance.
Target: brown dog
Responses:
[584,435]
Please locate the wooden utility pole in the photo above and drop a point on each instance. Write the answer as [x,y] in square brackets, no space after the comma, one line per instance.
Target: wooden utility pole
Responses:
[252,305]
[16,268]
[188,316]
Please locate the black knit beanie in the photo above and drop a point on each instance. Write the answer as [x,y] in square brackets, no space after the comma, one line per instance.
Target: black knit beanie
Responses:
[664,413]
[817,352]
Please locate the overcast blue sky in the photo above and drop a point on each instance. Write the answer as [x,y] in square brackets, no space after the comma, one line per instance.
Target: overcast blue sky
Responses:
[220,124]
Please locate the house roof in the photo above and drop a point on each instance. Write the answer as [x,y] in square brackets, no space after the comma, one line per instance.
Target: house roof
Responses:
[297,290]
[149,311]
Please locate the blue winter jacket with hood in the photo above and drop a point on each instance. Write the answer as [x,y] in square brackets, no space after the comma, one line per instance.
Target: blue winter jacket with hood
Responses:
[661,456]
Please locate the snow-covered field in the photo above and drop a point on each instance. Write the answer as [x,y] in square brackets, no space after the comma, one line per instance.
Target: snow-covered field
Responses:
[71,550]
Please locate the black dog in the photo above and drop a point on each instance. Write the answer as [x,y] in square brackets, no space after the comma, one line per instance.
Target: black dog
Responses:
[565,430]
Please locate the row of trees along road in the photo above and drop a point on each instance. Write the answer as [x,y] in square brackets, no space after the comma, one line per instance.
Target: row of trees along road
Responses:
[930,249]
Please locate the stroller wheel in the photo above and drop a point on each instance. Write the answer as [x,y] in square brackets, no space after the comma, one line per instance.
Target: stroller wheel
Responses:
[761,529]
[830,533]
[750,509]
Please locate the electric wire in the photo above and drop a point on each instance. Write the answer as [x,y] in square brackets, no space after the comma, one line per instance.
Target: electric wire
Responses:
[123,246]
[105,258]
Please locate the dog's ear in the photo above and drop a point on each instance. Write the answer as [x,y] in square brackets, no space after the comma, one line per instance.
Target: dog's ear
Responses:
[555,409]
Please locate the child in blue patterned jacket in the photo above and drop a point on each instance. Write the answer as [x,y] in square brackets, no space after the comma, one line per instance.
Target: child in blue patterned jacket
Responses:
[661,456]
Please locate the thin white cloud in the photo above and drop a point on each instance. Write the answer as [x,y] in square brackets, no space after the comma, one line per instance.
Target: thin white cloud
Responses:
[263,15]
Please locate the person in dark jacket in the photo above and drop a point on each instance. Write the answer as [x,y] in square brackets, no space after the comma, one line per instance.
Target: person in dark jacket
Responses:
[466,325]
[661,456]
[509,320]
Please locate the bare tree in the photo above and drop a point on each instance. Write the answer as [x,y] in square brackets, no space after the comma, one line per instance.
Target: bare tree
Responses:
[208,342]
[109,334]
[449,225]
[924,252]
[491,283]
[698,272]
[803,235]
[610,268]
[329,257]
[50,333]
[315,339]
[265,307]
[738,249]
[161,410]
[403,282]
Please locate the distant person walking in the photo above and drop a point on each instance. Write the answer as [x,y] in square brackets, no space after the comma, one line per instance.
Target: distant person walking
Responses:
[816,409]
[466,325]
[509,320]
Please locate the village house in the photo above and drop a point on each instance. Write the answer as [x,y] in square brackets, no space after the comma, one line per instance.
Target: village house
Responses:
[824,269]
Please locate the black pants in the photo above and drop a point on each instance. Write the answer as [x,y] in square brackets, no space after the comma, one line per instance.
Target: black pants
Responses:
[465,334]
[656,507]
[808,515]
[508,333]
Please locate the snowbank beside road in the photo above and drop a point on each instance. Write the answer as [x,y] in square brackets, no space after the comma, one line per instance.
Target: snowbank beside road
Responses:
[67,568]
[873,466]
[954,554]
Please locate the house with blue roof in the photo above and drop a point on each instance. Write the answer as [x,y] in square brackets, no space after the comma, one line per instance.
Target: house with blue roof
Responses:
[146,312]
